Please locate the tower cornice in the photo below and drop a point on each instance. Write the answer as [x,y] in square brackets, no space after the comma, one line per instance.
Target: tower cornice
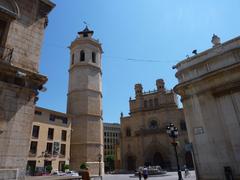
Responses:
[86,65]
[81,90]
[85,41]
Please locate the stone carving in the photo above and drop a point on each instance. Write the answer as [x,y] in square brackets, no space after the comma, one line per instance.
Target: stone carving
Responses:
[215,40]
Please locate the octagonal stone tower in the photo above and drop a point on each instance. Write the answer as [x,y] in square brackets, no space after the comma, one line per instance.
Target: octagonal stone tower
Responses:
[85,102]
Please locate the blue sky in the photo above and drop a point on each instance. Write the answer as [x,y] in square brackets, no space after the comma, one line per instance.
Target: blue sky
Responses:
[158,33]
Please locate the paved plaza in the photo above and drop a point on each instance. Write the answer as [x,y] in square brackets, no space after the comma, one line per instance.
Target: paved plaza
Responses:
[168,176]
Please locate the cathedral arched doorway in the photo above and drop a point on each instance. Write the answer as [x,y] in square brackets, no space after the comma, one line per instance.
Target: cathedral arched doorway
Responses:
[131,163]
[157,160]
[189,160]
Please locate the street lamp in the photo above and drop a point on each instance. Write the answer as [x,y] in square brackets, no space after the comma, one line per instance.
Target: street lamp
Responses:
[172,131]
[99,161]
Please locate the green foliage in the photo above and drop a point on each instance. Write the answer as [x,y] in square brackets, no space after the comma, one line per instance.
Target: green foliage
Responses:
[110,162]
[83,166]
[48,168]
[66,166]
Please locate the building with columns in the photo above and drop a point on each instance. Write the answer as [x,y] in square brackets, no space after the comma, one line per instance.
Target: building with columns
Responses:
[85,102]
[209,86]
[22,24]
[144,140]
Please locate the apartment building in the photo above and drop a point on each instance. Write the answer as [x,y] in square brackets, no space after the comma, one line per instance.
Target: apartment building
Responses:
[50,140]
[111,137]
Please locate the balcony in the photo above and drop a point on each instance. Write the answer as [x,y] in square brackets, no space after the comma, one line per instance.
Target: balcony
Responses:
[32,154]
[6,54]
[61,155]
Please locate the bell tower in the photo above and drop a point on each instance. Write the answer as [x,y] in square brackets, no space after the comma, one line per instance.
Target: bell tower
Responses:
[85,102]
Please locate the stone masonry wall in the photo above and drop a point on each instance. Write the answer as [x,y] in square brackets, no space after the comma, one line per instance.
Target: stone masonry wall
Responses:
[15,125]
[25,36]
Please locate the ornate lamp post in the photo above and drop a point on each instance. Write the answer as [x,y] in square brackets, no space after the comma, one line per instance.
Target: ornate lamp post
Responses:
[99,160]
[172,131]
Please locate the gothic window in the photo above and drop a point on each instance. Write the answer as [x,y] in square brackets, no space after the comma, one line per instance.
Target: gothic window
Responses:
[155,102]
[145,104]
[153,124]
[128,132]
[8,11]
[72,61]
[151,103]
[82,55]
[93,57]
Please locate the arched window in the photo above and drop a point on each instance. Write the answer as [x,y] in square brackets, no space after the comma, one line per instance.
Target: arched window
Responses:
[93,57]
[153,124]
[82,55]
[9,7]
[72,61]
[128,132]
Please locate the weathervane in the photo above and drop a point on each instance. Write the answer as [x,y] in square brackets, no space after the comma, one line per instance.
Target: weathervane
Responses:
[84,22]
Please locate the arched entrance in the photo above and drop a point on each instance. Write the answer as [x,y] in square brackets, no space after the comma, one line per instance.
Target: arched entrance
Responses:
[131,163]
[158,160]
[189,160]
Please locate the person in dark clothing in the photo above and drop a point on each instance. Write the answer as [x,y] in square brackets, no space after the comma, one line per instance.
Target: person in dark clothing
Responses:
[139,175]
[145,173]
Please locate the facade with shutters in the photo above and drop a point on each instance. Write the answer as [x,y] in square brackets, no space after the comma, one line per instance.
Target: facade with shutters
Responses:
[50,141]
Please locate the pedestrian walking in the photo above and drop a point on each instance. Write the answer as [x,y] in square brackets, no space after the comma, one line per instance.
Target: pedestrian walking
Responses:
[145,173]
[139,175]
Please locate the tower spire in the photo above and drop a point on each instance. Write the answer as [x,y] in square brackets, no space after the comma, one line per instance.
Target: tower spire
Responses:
[86,32]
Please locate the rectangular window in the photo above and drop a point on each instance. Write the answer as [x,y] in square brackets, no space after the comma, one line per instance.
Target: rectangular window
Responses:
[51,117]
[38,113]
[35,131]
[64,120]
[50,133]
[63,149]
[64,135]
[49,148]
[33,147]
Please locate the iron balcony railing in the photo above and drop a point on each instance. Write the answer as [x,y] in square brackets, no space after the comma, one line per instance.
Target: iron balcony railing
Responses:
[6,54]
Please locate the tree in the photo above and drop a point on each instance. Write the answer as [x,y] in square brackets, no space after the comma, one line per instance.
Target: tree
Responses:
[83,166]
[110,162]
[48,168]
[65,167]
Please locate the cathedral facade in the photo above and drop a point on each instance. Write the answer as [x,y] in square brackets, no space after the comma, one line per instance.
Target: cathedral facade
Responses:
[144,141]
